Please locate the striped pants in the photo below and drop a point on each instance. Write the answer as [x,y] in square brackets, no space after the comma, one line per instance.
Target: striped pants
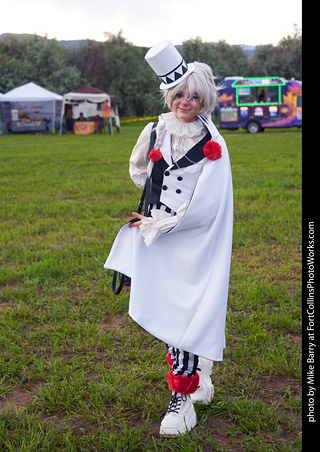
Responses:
[183,376]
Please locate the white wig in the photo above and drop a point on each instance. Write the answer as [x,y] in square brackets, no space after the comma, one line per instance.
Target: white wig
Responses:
[200,82]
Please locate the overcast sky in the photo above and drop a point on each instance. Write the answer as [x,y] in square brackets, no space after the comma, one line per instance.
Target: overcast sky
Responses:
[146,22]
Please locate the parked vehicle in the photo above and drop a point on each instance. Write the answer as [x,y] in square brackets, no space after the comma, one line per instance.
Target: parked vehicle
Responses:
[254,103]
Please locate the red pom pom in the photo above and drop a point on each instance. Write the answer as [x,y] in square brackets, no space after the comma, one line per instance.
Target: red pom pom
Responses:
[182,383]
[155,155]
[212,150]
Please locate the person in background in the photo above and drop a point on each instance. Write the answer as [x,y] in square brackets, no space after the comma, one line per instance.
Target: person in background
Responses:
[98,124]
[69,122]
[81,117]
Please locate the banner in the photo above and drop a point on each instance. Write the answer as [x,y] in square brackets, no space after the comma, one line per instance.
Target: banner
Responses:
[83,127]
[106,112]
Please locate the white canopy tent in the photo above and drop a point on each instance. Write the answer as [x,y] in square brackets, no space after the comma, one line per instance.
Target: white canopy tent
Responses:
[46,102]
[88,104]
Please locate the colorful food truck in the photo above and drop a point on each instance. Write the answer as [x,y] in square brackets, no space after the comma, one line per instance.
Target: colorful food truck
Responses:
[254,103]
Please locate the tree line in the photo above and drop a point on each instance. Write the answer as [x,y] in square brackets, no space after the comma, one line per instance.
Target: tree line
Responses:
[116,66]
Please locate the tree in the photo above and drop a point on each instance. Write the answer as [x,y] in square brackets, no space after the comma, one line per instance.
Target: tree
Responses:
[36,59]
[264,63]
[196,50]
[229,60]
[129,77]
[90,60]
[284,60]
[224,59]
[290,54]
[118,67]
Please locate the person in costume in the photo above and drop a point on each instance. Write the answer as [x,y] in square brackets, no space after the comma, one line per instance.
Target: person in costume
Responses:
[178,252]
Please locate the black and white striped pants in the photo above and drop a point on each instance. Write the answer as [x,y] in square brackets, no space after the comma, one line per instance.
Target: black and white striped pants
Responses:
[184,363]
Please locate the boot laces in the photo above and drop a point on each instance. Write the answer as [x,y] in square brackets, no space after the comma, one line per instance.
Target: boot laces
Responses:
[175,402]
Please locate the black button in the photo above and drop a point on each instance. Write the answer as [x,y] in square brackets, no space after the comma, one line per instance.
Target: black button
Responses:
[178,191]
[166,173]
[179,178]
[164,187]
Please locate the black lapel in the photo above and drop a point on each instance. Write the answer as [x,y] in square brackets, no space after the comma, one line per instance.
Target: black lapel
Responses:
[194,155]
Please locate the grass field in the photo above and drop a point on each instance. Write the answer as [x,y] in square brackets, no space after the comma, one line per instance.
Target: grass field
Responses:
[76,373]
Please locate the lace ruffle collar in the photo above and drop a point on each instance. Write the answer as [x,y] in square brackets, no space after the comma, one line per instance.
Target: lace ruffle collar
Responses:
[181,129]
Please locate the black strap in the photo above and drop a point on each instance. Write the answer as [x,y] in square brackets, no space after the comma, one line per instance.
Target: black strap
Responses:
[147,187]
[123,281]
[144,200]
[114,288]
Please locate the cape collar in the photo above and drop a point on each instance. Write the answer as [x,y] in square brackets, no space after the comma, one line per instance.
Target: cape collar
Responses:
[181,129]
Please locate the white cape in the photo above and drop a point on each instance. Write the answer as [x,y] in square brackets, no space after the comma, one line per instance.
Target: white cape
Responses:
[179,285]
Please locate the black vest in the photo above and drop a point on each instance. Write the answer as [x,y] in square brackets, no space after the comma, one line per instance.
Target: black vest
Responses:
[194,155]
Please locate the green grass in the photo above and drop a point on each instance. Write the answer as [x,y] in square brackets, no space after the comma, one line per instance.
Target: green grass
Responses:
[76,373]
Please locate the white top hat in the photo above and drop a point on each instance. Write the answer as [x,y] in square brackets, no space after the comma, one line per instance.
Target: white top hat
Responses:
[168,64]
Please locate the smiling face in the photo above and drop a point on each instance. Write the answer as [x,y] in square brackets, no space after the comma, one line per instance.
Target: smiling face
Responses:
[185,107]
[201,83]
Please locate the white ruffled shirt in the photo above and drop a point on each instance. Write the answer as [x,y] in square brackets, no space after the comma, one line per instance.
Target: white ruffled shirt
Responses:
[183,137]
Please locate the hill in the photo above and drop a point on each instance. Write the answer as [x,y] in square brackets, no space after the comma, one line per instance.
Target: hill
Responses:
[77,43]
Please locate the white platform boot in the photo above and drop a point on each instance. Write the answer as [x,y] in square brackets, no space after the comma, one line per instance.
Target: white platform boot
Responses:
[204,393]
[181,416]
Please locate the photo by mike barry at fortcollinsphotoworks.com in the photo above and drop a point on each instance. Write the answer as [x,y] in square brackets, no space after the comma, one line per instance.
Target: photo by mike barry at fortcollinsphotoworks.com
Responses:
[310,392]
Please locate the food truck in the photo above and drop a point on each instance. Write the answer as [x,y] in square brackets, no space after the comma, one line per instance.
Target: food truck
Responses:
[254,103]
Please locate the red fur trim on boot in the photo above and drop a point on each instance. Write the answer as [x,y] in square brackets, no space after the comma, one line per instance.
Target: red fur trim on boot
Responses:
[169,359]
[183,384]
